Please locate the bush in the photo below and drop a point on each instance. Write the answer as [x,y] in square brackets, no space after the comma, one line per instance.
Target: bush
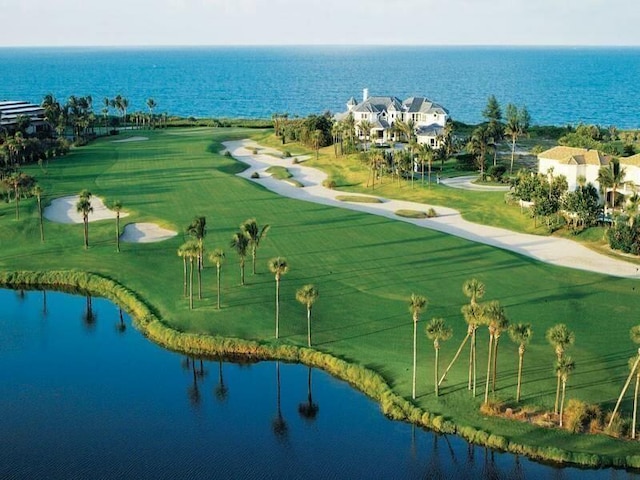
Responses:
[492,407]
[255,175]
[296,160]
[329,183]
[286,154]
[255,151]
[227,153]
[496,172]
[431,213]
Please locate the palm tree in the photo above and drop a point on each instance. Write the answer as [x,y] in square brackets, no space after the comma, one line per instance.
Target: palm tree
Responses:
[278,267]
[564,367]
[84,207]
[151,103]
[191,251]
[473,289]
[365,127]
[438,331]
[478,146]
[417,304]
[496,322]
[611,177]
[635,337]
[240,243]
[15,179]
[254,234]
[217,257]
[37,191]
[501,325]
[182,253]
[521,335]
[516,126]
[117,207]
[425,152]
[198,230]
[560,337]
[307,295]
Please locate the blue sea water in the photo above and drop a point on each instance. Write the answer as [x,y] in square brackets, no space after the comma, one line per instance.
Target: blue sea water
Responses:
[559,86]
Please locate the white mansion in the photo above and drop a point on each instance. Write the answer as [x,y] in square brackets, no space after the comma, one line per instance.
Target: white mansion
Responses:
[428,118]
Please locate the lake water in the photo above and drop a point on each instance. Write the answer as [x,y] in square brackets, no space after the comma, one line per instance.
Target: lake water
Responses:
[558,85]
[87,397]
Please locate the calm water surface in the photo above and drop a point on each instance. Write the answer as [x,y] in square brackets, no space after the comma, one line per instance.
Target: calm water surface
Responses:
[558,85]
[85,396]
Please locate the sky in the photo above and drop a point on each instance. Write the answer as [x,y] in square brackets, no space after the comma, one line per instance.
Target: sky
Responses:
[319,22]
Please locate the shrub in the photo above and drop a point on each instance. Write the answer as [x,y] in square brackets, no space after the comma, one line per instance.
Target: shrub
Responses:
[492,407]
[255,175]
[255,151]
[286,154]
[227,153]
[496,172]
[431,213]
[575,415]
[329,183]
[296,161]
[618,427]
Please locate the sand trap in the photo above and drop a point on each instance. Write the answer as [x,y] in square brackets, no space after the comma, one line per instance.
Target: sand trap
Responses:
[145,233]
[131,139]
[63,210]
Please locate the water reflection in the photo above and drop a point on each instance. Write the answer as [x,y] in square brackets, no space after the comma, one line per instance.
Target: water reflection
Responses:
[133,410]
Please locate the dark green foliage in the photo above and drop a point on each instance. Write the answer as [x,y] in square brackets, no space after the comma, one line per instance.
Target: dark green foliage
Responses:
[582,207]
[496,172]
[625,235]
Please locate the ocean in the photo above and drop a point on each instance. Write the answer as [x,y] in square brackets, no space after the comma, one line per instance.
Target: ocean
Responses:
[559,86]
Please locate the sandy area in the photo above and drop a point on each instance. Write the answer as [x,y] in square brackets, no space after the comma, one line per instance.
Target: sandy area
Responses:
[555,251]
[130,139]
[63,210]
[145,233]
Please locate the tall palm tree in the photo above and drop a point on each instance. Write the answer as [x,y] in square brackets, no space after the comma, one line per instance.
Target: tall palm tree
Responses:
[307,295]
[517,125]
[365,127]
[15,180]
[425,152]
[240,243]
[182,253]
[254,234]
[496,321]
[635,337]
[438,331]
[417,304]
[198,229]
[117,207]
[611,177]
[560,337]
[191,251]
[37,191]
[479,145]
[84,207]
[564,367]
[521,335]
[151,104]
[217,257]
[278,266]
[474,290]
[501,325]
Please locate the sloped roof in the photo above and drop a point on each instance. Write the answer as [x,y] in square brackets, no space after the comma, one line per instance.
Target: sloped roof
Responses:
[432,130]
[633,160]
[352,101]
[377,104]
[422,105]
[575,156]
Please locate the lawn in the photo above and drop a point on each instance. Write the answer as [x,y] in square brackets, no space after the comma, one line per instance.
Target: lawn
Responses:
[365,267]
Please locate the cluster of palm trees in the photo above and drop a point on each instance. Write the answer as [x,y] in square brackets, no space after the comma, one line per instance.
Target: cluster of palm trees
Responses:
[246,240]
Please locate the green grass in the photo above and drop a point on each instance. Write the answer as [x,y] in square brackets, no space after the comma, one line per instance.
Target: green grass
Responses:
[365,267]
[358,199]
[281,173]
[411,213]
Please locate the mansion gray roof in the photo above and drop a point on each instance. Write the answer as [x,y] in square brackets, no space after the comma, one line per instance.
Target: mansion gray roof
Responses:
[422,105]
[378,104]
[10,111]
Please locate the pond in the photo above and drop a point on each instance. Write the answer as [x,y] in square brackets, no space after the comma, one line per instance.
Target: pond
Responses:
[84,395]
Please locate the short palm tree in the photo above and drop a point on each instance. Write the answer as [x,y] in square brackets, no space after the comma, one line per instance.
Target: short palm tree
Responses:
[84,207]
[278,266]
[240,243]
[564,367]
[198,230]
[117,207]
[438,331]
[417,304]
[37,191]
[560,337]
[217,257]
[611,177]
[308,295]
[255,234]
[521,335]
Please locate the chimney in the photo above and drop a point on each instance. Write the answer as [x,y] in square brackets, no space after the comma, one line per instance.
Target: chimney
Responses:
[365,94]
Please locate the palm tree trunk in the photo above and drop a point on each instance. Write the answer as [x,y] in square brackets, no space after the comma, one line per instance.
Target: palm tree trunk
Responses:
[624,389]
[486,390]
[277,306]
[520,361]
[436,371]
[513,151]
[191,284]
[309,327]
[118,232]
[429,165]
[475,360]
[184,277]
[455,357]
[555,407]
[218,284]
[41,222]
[17,203]
[469,384]
[199,278]
[495,364]
[635,407]
[242,272]
[86,232]
[415,357]
[253,255]
[564,388]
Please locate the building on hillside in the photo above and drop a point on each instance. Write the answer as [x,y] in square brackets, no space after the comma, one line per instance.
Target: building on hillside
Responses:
[11,111]
[573,162]
[428,118]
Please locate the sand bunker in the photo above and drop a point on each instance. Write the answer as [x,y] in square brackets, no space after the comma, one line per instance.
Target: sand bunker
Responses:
[63,210]
[145,233]
[131,139]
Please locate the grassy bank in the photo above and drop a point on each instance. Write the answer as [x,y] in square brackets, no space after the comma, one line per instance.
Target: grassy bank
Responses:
[365,266]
